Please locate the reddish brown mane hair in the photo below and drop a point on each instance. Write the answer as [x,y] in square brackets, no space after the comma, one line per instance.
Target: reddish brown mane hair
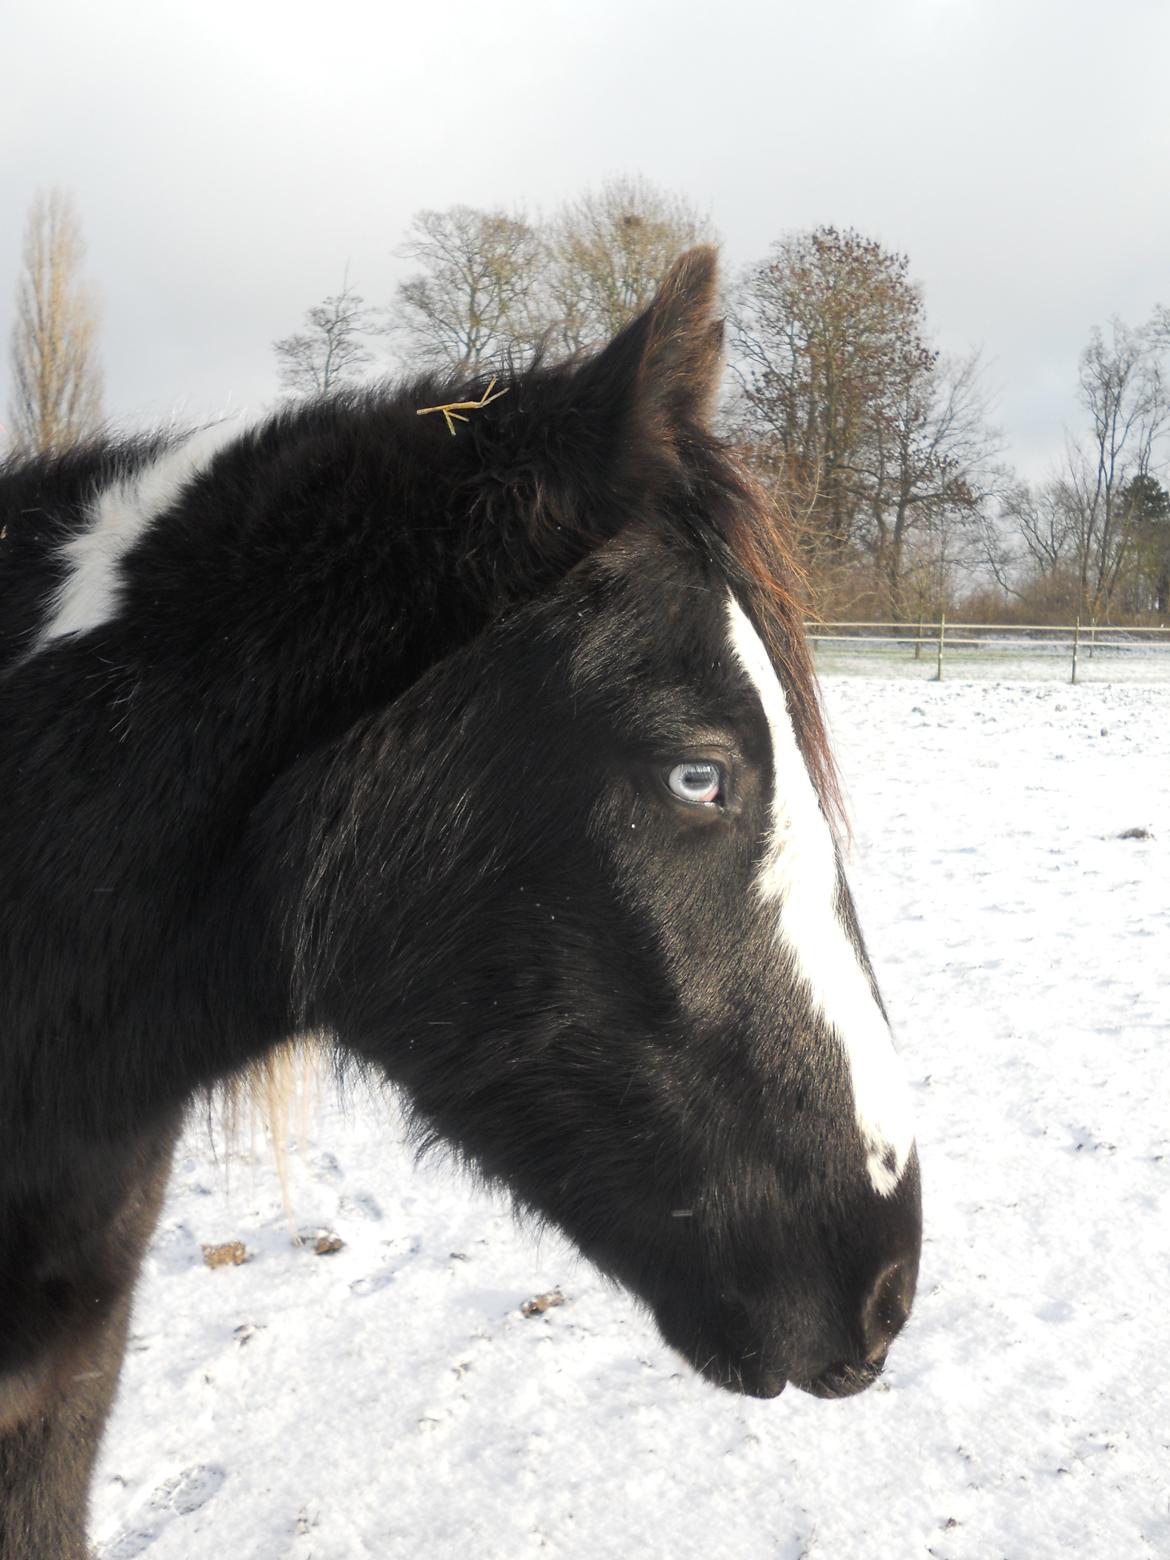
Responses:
[755,538]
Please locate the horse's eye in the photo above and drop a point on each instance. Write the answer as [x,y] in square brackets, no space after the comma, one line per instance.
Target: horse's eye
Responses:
[699,781]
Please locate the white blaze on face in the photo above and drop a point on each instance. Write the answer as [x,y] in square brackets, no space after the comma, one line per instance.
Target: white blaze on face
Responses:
[118,517]
[798,882]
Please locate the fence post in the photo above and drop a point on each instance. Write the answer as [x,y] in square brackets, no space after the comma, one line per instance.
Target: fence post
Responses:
[942,628]
[1076,647]
[918,641]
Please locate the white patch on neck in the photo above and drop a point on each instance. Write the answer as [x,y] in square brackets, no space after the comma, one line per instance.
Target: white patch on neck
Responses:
[799,877]
[119,516]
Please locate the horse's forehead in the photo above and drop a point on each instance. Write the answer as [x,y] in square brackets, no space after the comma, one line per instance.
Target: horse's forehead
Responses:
[663,641]
[668,600]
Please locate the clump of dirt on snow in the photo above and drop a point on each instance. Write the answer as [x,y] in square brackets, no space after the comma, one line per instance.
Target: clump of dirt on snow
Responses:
[541,1303]
[322,1242]
[229,1253]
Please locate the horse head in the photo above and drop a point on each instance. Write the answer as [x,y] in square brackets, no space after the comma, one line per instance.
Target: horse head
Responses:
[578,889]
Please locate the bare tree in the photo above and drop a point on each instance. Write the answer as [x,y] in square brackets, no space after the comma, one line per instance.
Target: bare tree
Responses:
[884,445]
[927,477]
[490,281]
[826,332]
[471,300]
[1040,517]
[1124,391]
[1093,535]
[330,352]
[606,253]
[56,377]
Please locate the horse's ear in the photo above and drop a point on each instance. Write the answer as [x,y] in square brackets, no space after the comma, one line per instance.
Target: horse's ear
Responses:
[684,346]
[579,449]
[669,360]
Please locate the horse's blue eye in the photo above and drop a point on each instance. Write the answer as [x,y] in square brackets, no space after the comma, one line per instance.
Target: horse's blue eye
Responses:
[697,781]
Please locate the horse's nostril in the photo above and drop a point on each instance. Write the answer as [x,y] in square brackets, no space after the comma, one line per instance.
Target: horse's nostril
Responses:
[886,1308]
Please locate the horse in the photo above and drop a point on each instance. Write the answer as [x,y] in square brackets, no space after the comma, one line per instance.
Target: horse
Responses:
[483,744]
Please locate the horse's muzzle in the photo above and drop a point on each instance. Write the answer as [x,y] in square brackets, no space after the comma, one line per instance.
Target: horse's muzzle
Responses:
[743,1352]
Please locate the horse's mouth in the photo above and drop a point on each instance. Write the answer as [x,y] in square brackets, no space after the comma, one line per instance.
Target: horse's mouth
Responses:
[751,1379]
[842,1381]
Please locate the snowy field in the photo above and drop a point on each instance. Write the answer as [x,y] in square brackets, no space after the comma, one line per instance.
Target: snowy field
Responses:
[391,1400]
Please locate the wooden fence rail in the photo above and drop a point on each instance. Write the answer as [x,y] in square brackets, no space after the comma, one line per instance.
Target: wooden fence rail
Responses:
[1072,641]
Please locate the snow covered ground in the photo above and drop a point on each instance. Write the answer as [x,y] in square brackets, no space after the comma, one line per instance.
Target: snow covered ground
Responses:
[391,1400]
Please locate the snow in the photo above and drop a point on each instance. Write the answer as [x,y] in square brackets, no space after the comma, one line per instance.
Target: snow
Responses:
[391,1399]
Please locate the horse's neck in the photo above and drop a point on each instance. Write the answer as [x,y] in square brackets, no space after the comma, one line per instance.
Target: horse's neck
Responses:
[300,580]
[311,567]
[240,597]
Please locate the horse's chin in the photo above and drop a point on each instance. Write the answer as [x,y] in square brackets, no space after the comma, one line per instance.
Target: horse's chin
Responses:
[745,1377]
[723,1348]
[748,1383]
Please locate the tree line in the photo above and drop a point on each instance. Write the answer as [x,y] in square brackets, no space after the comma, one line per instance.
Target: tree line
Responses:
[879,449]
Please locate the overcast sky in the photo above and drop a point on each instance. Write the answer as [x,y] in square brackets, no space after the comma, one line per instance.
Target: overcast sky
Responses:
[230,160]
